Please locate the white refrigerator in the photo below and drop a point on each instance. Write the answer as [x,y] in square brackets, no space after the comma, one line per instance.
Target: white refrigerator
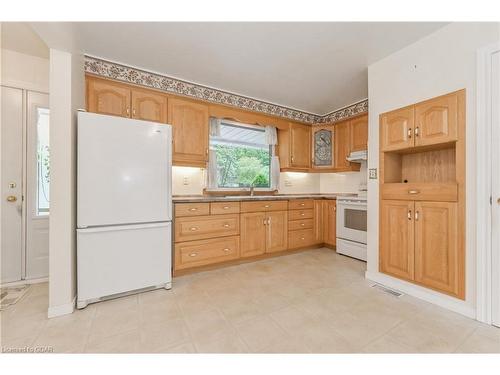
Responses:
[124,206]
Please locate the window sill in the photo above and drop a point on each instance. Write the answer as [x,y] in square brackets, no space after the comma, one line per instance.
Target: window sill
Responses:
[222,192]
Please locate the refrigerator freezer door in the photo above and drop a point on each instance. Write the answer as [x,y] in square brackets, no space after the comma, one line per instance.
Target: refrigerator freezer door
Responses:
[120,259]
[124,171]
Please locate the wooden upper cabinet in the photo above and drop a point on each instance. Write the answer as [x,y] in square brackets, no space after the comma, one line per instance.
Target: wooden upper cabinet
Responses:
[277,231]
[252,234]
[397,129]
[322,147]
[330,222]
[300,146]
[436,251]
[149,105]
[359,134]
[436,120]
[342,135]
[397,233]
[190,132]
[107,97]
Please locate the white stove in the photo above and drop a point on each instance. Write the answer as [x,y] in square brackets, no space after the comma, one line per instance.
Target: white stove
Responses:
[352,226]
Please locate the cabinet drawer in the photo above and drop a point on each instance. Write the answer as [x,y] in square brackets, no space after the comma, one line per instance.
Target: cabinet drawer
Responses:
[300,238]
[203,252]
[300,214]
[218,208]
[300,224]
[443,192]
[191,209]
[259,206]
[300,204]
[196,228]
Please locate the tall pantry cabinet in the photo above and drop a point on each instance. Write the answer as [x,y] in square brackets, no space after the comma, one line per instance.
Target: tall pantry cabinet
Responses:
[422,193]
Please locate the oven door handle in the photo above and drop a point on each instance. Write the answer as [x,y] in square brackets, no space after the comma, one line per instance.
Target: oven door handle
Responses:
[346,205]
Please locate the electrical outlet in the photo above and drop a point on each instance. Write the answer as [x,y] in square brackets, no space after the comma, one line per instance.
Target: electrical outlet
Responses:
[185,180]
[372,173]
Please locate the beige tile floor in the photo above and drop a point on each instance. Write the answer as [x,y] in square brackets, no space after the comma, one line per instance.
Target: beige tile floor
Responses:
[310,302]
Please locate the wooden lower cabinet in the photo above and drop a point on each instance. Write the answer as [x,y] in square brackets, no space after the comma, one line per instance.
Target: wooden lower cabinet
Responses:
[253,234]
[397,238]
[277,231]
[205,252]
[418,243]
[201,227]
[263,232]
[437,261]
[329,222]
[317,222]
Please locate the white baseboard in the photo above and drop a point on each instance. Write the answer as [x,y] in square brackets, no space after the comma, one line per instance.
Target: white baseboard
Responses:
[24,282]
[61,309]
[435,298]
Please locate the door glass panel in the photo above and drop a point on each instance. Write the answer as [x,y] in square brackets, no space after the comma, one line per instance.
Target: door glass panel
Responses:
[355,219]
[43,162]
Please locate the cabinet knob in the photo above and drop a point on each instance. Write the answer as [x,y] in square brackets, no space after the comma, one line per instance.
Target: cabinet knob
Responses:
[226,225]
[302,204]
[302,214]
[302,224]
[193,254]
[226,250]
[193,228]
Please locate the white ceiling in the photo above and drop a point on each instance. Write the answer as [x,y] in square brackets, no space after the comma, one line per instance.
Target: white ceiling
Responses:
[20,37]
[315,67]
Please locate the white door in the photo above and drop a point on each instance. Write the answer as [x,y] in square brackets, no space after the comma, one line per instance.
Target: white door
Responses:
[37,192]
[495,175]
[12,184]
[124,171]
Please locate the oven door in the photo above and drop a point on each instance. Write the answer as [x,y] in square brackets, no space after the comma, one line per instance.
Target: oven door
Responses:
[352,221]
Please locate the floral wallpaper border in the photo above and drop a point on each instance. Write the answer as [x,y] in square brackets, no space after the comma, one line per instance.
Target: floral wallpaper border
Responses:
[176,86]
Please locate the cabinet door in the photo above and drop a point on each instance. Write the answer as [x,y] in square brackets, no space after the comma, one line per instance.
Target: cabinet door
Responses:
[277,231]
[397,129]
[318,221]
[108,98]
[322,146]
[190,132]
[436,250]
[330,222]
[359,134]
[436,120]
[253,234]
[300,146]
[396,247]
[342,135]
[149,105]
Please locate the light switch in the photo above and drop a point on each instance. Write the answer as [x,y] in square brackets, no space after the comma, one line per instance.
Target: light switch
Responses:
[372,173]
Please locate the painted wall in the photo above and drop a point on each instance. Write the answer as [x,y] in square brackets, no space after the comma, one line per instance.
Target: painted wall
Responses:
[24,71]
[67,94]
[442,62]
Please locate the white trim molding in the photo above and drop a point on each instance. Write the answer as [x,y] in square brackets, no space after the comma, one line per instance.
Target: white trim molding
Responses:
[60,310]
[483,184]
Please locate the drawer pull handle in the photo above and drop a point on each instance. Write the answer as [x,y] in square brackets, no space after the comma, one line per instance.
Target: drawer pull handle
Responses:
[302,214]
[409,133]
[413,191]
[417,131]
[193,254]
[193,209]
[302,238]
[409,214]
[302,224]
[302,204]
[193,228]
[226,225]
[226,250]
[225,208]
[267,206]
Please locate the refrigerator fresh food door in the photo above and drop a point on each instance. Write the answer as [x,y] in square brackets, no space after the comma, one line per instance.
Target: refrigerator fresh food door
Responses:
[124,171]
[120,259]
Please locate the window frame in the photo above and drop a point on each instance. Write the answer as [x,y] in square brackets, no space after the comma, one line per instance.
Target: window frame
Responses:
[272,153]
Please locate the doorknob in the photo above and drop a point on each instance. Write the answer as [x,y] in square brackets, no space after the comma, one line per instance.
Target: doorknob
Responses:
[11,198]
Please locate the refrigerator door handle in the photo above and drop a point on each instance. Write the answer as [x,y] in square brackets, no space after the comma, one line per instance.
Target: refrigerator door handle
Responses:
[111,228]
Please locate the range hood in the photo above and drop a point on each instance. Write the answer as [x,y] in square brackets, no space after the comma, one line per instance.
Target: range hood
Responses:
[358,156]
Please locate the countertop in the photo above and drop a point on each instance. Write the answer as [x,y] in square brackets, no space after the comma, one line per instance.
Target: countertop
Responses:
[226,198]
